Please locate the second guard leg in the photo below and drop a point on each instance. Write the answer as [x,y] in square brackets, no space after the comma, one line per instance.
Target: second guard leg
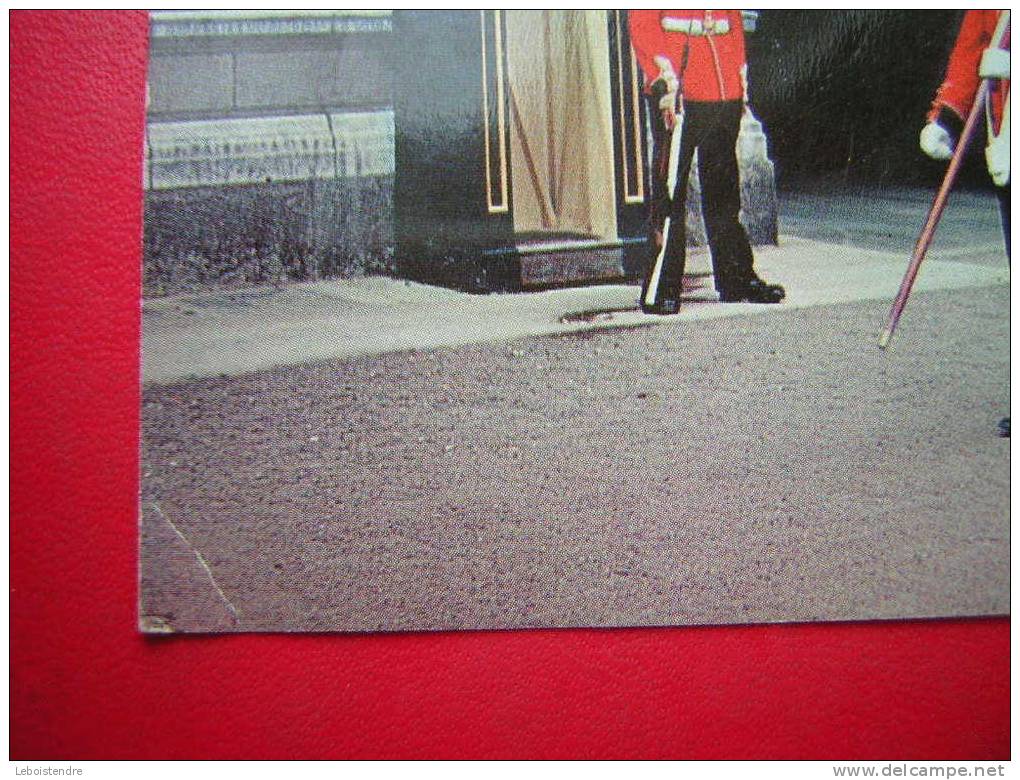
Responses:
[732,257]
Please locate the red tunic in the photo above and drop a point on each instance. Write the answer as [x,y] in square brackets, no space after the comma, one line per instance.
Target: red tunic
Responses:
[961,82]
[715,57]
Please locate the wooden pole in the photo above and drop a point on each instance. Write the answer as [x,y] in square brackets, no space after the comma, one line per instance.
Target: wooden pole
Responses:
[935,213]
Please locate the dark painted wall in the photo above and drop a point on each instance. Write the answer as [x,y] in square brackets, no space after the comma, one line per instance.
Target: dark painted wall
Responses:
[843,94]
[441,220]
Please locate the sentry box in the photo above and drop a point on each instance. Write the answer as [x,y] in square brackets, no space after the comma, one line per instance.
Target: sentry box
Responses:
[522,151]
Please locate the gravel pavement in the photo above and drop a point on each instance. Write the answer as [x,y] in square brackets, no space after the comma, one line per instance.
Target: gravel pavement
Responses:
[773,465]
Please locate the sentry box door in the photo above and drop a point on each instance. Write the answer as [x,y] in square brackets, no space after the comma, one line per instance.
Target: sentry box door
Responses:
[520,161]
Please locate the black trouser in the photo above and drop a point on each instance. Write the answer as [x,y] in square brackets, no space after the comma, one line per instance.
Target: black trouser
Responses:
[711,128]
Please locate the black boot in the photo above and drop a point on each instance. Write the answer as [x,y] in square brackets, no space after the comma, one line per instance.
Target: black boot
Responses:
[1004,427]
[754,290]
[664,307]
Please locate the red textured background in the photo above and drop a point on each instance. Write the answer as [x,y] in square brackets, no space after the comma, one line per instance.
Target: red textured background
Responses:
[84,684]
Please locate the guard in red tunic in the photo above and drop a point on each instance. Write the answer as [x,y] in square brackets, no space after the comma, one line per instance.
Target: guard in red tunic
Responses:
[981,52]
[974,57]
[696,81]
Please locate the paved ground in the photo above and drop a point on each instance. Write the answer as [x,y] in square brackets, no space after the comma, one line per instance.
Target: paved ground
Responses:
[890,218]
[729,464]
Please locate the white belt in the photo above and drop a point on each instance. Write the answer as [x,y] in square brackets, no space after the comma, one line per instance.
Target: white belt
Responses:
[695,26]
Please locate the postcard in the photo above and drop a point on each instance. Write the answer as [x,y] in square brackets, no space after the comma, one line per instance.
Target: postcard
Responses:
[482,319]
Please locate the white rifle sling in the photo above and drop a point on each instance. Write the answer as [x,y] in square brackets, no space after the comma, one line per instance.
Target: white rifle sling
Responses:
[674,164]
[997,150]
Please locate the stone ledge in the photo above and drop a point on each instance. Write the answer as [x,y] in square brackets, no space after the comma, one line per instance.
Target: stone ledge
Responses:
[289,148]
[226,23]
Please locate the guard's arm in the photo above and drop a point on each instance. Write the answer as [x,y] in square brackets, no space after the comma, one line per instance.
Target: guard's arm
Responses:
[650,46]
[960,84]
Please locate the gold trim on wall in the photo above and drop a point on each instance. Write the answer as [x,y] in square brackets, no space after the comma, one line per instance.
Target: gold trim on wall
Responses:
[498,63]
[637,196]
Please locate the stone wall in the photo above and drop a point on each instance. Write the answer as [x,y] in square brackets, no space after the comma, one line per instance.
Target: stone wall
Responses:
[269,151]
[269,148]
[227,64]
